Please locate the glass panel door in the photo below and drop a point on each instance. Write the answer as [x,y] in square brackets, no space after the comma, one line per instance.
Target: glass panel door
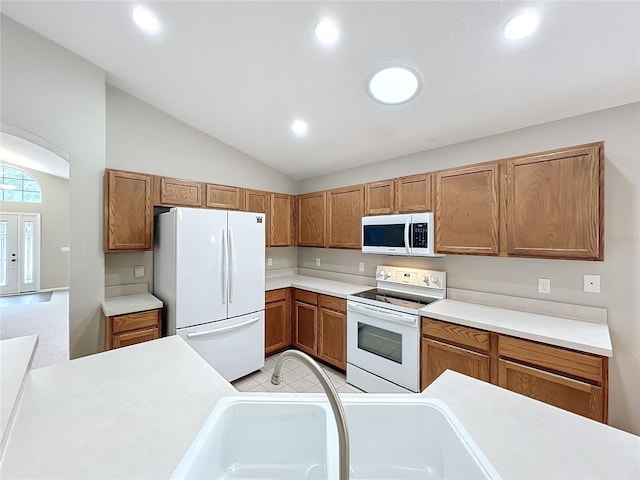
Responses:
[19,253]
[29,267]
[9,254]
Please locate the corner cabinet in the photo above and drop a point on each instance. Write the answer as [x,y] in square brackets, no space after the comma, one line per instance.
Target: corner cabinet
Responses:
[468,210]
[345,207]
[258,201]
[554,204]
[128,211]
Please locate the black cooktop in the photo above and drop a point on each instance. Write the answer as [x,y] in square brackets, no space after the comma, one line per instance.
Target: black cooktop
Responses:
[395,298]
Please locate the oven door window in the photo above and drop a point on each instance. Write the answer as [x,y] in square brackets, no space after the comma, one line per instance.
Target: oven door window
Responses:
[381,342]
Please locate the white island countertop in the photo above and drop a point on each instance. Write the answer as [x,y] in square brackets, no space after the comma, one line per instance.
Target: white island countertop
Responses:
[132,413]
[315,284]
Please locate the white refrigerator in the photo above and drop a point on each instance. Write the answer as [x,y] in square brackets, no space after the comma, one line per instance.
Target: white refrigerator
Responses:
[209,272]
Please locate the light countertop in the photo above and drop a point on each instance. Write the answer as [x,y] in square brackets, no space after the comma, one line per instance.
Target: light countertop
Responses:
[130,304]
[315,284]
[133,412]
[527,439]
[590,337]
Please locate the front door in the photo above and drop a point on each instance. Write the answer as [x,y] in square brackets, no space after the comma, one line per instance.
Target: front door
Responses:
[19,253]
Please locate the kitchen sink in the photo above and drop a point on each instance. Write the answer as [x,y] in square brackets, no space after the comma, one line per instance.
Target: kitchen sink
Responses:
[294,436]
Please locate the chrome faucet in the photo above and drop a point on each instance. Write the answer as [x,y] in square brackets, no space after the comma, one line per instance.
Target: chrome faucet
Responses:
[334,401]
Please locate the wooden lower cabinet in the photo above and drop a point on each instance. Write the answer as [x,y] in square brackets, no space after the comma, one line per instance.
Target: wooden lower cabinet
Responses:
[277,321]
[568,379]
[332,331]
[305,326]
[438,357]
[563,392]
[132,328]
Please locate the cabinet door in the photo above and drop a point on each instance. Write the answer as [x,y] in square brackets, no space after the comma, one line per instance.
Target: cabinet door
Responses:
[131,338]
[344,217]
[128,213]
[224,197]
[175,192]
[380,198]
[281,220]
[554,204]
[414,194]
[311,219]
[562,392]
[467,210]
[258,202]
[277,325]
[438,357]
[306,320]
[332,337]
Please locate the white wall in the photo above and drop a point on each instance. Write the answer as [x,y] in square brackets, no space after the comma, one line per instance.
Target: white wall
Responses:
[59,96]
[54,227]
[620,272]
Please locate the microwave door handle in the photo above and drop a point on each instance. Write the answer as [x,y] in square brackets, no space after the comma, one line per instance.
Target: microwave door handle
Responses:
[407,224]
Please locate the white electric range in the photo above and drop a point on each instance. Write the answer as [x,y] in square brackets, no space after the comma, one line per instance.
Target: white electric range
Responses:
[383,329]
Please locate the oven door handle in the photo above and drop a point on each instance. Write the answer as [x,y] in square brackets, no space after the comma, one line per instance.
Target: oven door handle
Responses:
[401,318]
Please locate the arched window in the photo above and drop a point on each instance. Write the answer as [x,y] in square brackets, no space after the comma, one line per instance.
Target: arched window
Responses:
[18,186]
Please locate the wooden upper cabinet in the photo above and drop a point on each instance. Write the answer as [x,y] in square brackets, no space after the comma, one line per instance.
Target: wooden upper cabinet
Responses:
[554,204]
[281,219]
[176,192]
[380,198]
[128,212]
[225,197]
[414,194]
[467,210]
[344,217]
[258,201]
[311,219]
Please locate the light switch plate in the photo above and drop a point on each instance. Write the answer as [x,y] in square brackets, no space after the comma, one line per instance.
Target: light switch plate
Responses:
[138,271]
[544,285]
[64,249]
[592,283]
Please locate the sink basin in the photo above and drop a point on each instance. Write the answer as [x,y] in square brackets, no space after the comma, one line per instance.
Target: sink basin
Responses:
[293,436]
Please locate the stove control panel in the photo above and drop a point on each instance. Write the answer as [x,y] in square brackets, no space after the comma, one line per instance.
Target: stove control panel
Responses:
[412,276]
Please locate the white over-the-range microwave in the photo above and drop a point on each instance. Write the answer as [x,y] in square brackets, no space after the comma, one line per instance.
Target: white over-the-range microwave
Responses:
[410,234]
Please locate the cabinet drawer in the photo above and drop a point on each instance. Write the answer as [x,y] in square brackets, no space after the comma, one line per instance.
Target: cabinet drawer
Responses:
[275,295]
[307,297]
[332,303]
[135,321]
[582,365]
[131,338]
[467,336]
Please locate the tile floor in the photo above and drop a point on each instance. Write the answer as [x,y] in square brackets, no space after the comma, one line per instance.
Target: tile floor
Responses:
[297,378]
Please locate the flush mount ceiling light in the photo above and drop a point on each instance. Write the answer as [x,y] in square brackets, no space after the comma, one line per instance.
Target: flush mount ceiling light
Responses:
[521,25]
[327,32]
[394,84]
[299,128]
[146,20]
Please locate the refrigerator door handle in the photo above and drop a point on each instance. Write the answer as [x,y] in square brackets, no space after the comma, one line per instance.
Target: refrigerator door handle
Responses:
[224,267]
[222,330]
[231,265]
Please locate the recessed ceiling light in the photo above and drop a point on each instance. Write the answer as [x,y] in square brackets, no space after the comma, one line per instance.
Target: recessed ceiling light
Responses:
[394,85]
[521,25]
[299,127]
[146,20]
[327,31]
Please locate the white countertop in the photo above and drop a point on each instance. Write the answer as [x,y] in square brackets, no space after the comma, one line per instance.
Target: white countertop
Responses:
[130,304]
[125,413]
[133,412]
[16,355]
[315,284]
[527,439]
[579,335]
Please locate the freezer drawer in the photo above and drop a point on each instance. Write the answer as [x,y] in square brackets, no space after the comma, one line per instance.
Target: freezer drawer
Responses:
[234,347]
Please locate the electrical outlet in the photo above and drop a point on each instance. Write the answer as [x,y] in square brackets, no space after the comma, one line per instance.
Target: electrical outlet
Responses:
[592,283]
[361,266]
[544,285]
[64,249]
[138,271]
[269,262]
[318,262]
